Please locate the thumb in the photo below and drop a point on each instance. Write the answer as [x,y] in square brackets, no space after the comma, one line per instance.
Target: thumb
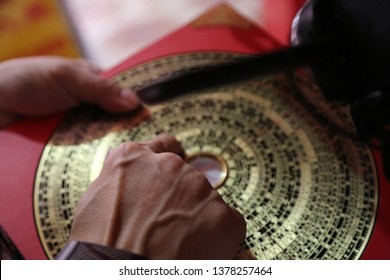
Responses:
[84,82]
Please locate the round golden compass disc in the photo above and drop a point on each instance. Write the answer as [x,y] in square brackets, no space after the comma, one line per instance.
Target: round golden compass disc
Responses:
[307,190]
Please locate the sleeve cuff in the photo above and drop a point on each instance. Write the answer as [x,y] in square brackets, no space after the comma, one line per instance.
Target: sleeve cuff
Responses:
[77,250]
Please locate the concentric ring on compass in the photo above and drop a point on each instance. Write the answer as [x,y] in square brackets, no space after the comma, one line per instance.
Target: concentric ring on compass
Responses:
[213,167]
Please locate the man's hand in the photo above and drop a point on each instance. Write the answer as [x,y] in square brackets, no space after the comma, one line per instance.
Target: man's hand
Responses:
[148,201]
[45,85]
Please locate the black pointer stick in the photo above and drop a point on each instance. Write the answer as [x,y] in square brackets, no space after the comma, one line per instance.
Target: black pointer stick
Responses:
[239,71]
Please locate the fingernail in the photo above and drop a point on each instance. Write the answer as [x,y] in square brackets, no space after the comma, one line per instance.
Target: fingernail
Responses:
[130,98]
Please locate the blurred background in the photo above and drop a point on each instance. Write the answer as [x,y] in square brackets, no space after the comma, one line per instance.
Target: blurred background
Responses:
[107,32]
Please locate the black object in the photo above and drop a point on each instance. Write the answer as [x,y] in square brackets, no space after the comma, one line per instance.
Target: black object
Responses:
[362,31]
[240,70]
[360,76]
[77,250]
[8,250]
[346,44]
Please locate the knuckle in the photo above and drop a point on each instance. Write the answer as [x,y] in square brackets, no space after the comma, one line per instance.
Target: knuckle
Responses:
[129,148]
[171,160]
[159,145]
[124,150]
[165,138]
[124,156]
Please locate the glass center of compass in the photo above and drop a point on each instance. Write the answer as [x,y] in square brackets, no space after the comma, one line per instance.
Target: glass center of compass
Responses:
[212,166]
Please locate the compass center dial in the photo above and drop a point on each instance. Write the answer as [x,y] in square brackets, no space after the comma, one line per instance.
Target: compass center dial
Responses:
[213,167]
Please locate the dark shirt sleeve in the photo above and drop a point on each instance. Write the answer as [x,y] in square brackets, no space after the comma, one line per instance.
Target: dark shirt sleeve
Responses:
[76,250]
